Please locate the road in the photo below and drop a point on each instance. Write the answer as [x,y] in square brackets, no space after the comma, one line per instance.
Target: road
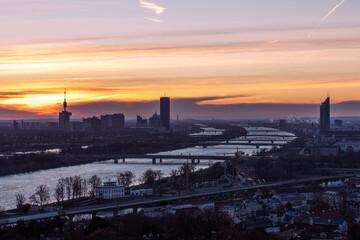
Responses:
[164,200]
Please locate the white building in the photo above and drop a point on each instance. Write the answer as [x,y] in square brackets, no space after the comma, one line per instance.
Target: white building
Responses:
[109,191]
[141,192]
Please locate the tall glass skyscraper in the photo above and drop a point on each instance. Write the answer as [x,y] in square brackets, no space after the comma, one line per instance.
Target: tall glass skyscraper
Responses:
[325,115]
[165,112]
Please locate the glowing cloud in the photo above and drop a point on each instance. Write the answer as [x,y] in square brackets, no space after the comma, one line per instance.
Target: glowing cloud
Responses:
[332,10]
[152,7]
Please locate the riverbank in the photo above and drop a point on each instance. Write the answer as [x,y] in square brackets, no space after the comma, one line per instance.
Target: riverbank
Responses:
[152,144]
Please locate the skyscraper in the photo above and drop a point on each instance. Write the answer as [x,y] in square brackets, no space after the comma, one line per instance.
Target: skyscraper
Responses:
[165,112]
[325,115]
[64,117]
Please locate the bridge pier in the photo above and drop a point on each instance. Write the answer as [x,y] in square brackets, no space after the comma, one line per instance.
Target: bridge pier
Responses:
[153,160]
[116,160]
[257,146]
[93,215]
[272,141]
[249,141]
[193,161]
[123,160]
[160,160]
[227,141]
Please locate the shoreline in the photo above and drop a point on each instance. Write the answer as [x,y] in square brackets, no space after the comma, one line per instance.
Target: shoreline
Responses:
[28,163]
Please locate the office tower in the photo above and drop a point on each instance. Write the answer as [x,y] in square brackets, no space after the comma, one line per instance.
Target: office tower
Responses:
[165,112]
[113,122]
[64,117]
[140,122]
[155,121]
[325,115]
[92,124]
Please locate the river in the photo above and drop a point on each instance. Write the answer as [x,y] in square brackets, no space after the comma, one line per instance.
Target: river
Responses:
[26,183]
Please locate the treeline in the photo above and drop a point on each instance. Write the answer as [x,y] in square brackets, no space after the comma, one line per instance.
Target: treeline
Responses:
[68,190]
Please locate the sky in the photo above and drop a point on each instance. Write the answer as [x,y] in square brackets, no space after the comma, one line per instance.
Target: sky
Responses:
[230,59]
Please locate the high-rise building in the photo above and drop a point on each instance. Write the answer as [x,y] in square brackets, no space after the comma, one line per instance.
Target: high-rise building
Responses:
[140,122]
[155,121]
[165,112]
[113,122]
[92,124]
[325,115]
[64,117]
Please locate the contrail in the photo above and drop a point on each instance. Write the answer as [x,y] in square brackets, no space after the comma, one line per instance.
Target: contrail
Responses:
[325,17]
[332,10]
[273,41]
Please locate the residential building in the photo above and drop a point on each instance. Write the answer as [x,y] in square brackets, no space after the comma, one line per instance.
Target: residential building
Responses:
[109,190]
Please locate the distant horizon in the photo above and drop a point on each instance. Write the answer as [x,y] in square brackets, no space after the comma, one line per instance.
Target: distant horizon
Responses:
[261,58]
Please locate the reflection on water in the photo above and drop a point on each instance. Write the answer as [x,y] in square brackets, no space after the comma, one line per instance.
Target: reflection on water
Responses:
[106,170]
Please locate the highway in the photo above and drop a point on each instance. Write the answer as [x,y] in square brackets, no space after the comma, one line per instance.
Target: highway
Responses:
[163,200]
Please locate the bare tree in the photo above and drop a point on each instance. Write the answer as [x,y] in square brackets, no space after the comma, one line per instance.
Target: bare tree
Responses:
[159,174]
[125,178]
[94,182]
[60,190]
[76,187]
[20,199]
[68,181]
[84,187]
[41,195]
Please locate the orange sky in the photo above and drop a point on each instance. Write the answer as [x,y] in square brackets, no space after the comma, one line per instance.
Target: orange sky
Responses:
[271,63]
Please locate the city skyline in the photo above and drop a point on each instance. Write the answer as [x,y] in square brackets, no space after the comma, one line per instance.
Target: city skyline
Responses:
[258,58]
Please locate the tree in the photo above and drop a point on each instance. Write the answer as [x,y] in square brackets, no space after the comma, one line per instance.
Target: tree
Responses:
[76,187]
[149,178]
[60,190]
[94,182]
[41,195]
[20,199]
[68,181]
[159,175]
[84,187]
[125,178]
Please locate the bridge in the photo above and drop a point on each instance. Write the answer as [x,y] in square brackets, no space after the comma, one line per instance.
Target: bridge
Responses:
[154,157]
[160,201]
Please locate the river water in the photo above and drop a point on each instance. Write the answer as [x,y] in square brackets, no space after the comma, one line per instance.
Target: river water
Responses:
[26,183]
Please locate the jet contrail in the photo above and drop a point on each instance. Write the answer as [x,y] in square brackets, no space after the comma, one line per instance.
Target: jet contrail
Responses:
[332,10]
[325,17]
[273,41]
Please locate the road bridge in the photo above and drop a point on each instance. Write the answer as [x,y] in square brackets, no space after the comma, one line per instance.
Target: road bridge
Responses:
[155,157]
[156,201]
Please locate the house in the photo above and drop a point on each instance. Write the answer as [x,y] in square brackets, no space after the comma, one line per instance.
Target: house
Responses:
[334,198]
[109,190]
[141,192]
[325,218]
[296,200]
